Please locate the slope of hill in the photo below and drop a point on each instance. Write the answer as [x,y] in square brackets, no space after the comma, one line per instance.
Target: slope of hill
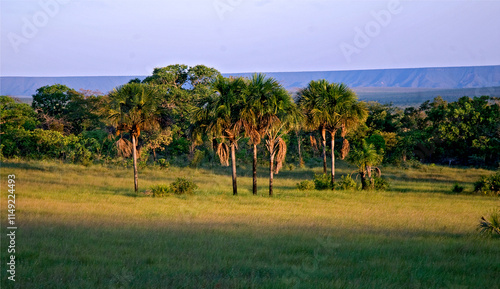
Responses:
[400,86]
[443,77]
[26,86]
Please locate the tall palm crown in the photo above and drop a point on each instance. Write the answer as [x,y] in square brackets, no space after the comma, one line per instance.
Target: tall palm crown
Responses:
[324,104]
[328,107]
[134,107]
[219,115]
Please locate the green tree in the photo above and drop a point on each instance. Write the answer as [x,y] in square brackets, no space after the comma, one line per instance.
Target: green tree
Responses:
[284,117]
[201,75]
[52,100]
[268,111]
[134,107]
[365,158]
[219,115]
[16,115]
[259,112]
[328,107]
[175,75]
[83,112]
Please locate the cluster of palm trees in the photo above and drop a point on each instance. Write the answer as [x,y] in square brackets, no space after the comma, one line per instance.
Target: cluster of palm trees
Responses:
[259,108]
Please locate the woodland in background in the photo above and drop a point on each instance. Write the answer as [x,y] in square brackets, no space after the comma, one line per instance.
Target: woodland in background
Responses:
[78,127]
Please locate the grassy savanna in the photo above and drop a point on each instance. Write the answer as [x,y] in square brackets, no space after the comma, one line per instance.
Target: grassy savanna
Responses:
[84,227]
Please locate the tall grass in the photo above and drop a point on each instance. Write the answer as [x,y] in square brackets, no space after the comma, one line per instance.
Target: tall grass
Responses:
[83,227]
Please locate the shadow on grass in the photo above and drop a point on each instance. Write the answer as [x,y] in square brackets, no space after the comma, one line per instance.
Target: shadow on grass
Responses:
[23,165]
[231,256]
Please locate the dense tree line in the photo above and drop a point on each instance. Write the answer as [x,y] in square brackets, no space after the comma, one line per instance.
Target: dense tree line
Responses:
[193,115]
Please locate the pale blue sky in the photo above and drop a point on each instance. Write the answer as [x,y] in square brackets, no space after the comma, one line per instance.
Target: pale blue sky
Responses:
[125,37]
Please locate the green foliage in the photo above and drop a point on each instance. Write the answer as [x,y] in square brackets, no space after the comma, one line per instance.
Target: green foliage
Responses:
[16,115]
[174,75]
[178,146]
[182,186]
[52,100]
[163,164]
[488,185]
[306,185]
[365,157]
[82,113]
[160,190]
[490,225]
[322,181]
[380,183]
[198,157]
[378,141]
[457,188]
[346,182]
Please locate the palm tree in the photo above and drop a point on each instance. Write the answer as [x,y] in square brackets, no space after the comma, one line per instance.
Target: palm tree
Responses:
[285,117]
[258,112]
[219,115]
[327,107]
[134,107]
[365,157]
[354,116]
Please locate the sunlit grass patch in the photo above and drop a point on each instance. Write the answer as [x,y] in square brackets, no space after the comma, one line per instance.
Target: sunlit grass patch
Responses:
[84,227]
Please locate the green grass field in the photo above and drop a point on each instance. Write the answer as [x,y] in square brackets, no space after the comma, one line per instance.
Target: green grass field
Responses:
[83,227]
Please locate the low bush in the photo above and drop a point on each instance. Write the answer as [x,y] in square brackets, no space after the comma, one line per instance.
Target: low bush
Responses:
[381,184]
[160,190]
[322,181]
[488,185]
[457,188]
[491,225]
[163,164]
[182,186]
[305,185]
[346,183]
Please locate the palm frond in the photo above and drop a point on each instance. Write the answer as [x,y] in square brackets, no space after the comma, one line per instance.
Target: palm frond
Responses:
[280,154]
[223,153]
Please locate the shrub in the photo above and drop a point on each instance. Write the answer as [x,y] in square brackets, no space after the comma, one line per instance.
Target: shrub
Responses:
[322,181]
[305,185]
[160,190]
[380,183]
[346,183]
[198,157]
[488,185]
[182,186]
[163,164]
[457,188]
[491,225]
[411,164]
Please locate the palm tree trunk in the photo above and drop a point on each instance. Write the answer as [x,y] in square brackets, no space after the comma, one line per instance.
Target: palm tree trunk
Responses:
[301,161]
[271,167]
[333,159]
[134,156]
[323,140]
[254,190]
[233,160]
[363,180]
[369,178]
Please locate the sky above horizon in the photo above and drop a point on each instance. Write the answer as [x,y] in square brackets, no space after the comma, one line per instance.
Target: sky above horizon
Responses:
[125,37]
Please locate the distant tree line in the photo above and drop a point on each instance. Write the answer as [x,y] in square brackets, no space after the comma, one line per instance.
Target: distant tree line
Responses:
[193,116]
